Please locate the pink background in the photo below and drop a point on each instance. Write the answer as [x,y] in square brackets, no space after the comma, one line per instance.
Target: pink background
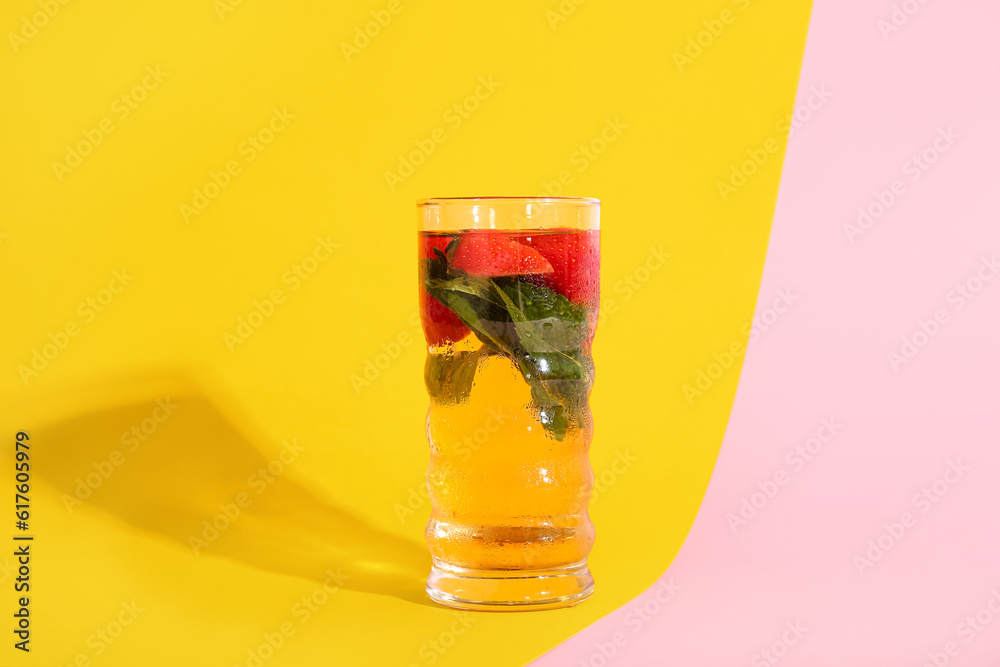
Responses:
[796,562]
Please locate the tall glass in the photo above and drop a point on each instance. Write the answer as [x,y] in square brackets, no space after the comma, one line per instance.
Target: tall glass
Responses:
[509,292]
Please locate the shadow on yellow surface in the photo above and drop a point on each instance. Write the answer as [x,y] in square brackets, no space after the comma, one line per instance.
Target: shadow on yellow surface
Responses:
[177,467]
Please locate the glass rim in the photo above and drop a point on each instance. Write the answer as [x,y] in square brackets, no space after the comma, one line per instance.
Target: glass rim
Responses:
[441,201]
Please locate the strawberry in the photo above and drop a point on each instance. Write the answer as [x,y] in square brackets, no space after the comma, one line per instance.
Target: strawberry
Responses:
[441,325]
[576,262]
[493,254]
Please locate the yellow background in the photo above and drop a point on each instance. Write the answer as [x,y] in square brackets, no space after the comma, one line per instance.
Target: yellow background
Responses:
[338,503]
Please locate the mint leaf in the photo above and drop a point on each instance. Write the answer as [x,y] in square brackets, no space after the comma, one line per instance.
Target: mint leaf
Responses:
[435,268]
[537,302]
[468,310]
[449,377]
[560,383]
[541,331]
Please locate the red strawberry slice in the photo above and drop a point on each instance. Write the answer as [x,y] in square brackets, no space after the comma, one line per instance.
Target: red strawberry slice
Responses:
[441,325]
[494,254]
[575,257]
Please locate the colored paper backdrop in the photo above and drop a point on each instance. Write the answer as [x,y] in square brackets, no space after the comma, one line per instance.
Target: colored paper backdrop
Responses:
[850,518]
[206,245]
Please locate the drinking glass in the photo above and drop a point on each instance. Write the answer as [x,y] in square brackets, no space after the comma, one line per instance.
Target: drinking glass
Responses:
[509,294]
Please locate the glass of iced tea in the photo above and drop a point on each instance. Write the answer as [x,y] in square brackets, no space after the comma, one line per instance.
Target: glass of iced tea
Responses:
[509,292]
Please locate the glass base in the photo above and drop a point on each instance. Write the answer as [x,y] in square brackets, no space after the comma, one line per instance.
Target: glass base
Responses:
[509,590]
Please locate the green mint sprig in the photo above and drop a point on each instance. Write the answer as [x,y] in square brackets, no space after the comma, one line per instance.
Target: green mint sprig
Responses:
[541,331]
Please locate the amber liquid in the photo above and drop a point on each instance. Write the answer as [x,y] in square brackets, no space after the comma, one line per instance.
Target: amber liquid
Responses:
[506,495]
